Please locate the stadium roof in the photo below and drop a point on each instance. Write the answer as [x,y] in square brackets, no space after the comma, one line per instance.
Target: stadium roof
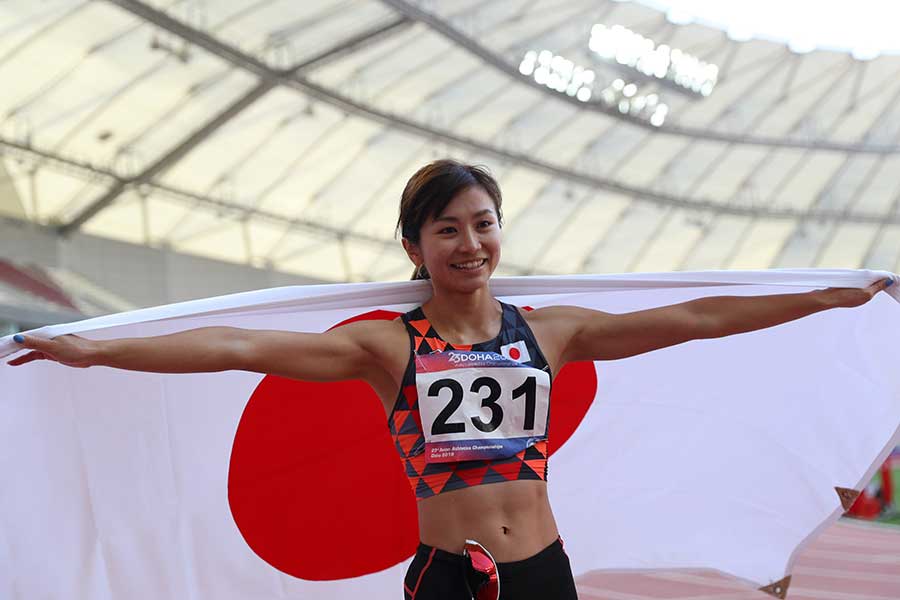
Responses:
[280,133]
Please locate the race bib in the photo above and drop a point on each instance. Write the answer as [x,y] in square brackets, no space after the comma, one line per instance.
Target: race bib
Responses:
[479,405]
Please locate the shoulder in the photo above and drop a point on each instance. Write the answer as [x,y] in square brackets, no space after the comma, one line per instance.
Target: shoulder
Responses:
[553,328]
[382,342]
[561,326]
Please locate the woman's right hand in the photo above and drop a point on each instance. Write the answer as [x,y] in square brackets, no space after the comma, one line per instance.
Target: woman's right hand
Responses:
[70,350]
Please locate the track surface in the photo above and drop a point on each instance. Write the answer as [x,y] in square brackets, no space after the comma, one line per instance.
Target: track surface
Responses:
[850,561]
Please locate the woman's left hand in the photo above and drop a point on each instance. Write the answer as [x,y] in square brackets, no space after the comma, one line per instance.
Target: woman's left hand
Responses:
[850,297]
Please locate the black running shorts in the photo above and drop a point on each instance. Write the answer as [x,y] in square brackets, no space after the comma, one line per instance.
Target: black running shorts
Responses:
[435,574]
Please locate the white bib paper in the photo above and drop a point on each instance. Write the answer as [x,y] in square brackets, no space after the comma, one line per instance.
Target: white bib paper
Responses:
[480,405]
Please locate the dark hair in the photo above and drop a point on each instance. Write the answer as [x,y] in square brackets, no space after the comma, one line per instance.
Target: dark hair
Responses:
[430,190]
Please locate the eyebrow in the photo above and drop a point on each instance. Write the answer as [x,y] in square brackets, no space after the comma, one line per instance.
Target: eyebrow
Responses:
[480,213]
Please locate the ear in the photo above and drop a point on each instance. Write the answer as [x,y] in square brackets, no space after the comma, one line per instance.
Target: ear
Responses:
[413,252]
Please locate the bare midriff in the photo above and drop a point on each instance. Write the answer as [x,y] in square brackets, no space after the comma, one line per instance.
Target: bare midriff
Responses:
[512,519]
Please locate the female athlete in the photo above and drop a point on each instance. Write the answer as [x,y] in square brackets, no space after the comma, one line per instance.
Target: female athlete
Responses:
[464,381]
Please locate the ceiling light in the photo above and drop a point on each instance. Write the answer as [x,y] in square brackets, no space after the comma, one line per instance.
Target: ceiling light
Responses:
[558,73]
[624,47]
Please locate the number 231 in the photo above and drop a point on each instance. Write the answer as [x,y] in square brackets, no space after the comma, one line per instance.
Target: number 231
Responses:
[441,426]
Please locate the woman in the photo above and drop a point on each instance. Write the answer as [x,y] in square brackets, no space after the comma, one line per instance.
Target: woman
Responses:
[464,381]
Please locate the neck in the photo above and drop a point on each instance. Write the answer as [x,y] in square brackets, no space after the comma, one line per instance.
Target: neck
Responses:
[464,318]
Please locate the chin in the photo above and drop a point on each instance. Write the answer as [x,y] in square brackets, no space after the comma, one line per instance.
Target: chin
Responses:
[471,287]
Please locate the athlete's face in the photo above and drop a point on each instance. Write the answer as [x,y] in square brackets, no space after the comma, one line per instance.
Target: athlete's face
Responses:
[460,247]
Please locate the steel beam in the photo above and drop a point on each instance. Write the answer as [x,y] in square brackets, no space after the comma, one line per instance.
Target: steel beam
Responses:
[402,123]
[91,172]
[268,81]
[502,65]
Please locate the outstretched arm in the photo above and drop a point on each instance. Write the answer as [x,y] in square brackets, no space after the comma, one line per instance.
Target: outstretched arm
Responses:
[348,352]
[595,335]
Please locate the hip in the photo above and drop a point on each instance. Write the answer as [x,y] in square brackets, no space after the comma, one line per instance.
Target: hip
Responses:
[436,574]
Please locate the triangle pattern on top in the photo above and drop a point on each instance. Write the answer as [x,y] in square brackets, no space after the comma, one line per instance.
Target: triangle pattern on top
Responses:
[405,423]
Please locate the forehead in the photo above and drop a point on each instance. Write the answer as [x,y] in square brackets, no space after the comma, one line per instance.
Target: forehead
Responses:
[470,201]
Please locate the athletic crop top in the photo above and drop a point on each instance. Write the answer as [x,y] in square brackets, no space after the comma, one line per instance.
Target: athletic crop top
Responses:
[486,408]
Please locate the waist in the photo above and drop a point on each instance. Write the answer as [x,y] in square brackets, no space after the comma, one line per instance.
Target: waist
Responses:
[513,519]
[505,568]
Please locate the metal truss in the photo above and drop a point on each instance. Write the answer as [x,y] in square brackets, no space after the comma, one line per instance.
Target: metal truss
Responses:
[266,84]
[500,64]
[93,173]
[755,123]
[297,82]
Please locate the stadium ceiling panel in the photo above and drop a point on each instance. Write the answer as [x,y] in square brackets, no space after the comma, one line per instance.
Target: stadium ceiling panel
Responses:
[280,134]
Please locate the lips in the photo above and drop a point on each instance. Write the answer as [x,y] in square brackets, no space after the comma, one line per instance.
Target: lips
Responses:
[470,265]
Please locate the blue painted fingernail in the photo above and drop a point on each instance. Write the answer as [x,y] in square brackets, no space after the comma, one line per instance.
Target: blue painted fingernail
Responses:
[19,339]
[890,282]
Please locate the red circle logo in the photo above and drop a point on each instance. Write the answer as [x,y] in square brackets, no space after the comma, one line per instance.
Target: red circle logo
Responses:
[315,484]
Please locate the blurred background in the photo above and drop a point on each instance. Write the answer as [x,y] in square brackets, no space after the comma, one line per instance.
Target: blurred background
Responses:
[153,152]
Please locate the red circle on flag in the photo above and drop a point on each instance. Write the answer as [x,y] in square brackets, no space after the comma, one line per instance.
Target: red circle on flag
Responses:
[514,353]
[315,484]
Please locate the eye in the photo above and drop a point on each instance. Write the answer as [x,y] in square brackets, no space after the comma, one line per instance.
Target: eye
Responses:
[485,223]
[447,230]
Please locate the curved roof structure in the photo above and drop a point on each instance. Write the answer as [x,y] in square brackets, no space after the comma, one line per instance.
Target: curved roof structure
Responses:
[280,134]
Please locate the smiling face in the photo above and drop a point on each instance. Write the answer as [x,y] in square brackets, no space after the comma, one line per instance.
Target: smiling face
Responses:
[460,246]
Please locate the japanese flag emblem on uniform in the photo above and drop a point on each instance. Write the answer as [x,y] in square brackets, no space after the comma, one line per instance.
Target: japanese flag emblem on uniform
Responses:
[517,352]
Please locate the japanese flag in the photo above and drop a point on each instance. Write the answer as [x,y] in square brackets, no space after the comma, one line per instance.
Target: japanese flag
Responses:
[517,352]
[238,485]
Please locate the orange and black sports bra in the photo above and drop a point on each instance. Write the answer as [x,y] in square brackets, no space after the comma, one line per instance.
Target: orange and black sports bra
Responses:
[485,408]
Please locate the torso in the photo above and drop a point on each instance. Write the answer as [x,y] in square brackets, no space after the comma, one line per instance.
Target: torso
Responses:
[512,519]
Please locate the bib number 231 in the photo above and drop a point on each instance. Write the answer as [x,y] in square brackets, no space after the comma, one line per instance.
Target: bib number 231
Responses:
[486,411]
[441,424]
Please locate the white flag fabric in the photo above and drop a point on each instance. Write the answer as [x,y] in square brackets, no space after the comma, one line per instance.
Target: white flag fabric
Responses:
[723,454]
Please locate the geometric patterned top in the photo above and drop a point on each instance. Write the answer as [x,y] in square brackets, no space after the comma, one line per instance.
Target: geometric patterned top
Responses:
[405,424]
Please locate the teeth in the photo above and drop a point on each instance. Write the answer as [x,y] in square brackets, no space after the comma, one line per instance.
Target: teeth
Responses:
[470,265]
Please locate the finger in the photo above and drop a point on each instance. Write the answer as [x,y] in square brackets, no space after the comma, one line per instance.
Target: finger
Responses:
[879,285]
[25,341]
[27,358]
[33,343]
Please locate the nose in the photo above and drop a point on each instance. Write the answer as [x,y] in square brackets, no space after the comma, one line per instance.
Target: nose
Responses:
[470,241]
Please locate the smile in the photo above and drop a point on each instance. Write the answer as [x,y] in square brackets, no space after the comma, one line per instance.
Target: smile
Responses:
[472,264]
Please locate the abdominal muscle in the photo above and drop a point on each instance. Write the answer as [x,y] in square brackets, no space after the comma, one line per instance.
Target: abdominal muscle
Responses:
[511,519]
